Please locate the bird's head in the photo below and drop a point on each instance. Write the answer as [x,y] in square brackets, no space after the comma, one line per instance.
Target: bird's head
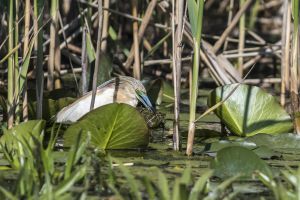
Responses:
[143,98]
[140,91]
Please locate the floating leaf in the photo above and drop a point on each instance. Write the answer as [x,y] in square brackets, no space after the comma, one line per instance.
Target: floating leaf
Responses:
[276,142]
[231,161]
[113,126]
[216,146]
[265,152]
[250,110]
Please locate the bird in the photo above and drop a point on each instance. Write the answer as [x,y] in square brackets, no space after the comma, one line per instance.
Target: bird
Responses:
[122,89]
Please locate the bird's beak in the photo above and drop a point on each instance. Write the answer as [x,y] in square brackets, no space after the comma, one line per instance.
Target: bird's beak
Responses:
[142,97]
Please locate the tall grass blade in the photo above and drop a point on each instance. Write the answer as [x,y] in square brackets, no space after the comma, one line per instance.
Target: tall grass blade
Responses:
[163,186]
[8,194]
[38,22]
[200,185]
[68,183]
[134,185]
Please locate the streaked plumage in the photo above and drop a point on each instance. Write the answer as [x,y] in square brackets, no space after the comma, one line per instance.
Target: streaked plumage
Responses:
[121,89]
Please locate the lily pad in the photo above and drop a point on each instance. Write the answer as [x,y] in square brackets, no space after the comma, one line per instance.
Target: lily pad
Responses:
[276,142]
[249,110]
[217,146]
[234,160]
[113,126]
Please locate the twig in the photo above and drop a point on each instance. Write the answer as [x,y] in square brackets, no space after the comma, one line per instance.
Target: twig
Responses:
[84,87]
[26,42]
[136,68]
[105,26]
[142,30]
[234,22]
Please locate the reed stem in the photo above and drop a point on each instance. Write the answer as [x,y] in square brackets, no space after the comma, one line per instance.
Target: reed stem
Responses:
[195,73]
[177,50]
[98,53]
[294,67]
[53,46]
[25,49]
[10,92]
[241,40]
[38,22]
[136,68]
[16,67]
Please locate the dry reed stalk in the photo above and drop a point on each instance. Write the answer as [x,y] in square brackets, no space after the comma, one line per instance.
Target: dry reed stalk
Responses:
[10,71]
[294,67]
[84,63]
[241,40]
[137,63]
[57,63]
[147,45]
[165,44]
[38,46]
[58,55]
[74,49]
[232,25]
[142,29]
[71,37]
[105,26]
[285,53]
[25,49]
[16,105]
[256,37]
[177,30]
[53,44]
[98,53]
[230,14]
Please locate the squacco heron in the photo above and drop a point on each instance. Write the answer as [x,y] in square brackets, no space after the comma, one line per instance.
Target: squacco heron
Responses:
[121,89]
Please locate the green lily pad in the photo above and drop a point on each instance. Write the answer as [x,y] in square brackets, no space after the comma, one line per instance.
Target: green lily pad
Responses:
[217,146]
[250,110]
[276,142]
[113,126]
[265,152]
[22,132]
[234,160]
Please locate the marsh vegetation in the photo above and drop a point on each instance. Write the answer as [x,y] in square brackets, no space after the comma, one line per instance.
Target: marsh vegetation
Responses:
[149,99]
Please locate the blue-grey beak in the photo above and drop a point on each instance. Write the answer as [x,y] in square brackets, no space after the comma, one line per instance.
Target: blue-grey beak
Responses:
[143,98]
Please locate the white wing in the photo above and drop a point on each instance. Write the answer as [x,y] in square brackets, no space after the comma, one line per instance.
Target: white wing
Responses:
[81,106]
